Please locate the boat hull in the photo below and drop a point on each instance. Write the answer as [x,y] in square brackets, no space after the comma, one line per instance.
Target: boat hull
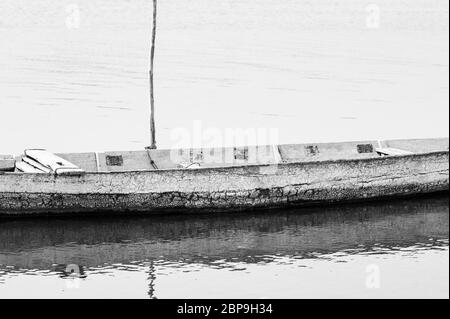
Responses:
[225,189]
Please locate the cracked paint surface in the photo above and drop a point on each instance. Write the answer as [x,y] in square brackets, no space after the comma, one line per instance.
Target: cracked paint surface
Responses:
[232,188]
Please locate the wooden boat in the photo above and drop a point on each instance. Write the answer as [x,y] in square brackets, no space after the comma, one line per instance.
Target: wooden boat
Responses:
[153,180]
[222,179]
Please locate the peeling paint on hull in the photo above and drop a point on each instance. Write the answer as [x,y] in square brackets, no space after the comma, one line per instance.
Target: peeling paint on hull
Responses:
[225,189]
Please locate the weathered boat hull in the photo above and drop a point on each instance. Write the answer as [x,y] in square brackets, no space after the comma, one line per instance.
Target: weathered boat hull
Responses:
[225,189]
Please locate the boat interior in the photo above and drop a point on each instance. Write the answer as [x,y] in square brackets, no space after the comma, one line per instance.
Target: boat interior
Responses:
[44,162]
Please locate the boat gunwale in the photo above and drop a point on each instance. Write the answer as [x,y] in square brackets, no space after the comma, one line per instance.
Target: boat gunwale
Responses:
[227,168]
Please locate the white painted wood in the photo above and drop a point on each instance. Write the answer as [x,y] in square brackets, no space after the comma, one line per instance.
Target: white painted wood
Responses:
[36,164]
[392,151]
[53,162]
[48,159]
[27,168]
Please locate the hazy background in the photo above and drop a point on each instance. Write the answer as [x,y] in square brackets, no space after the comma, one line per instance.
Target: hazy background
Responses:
[74,74]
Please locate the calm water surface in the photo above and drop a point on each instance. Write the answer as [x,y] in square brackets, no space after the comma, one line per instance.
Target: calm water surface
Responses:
[314,70]
[395,249]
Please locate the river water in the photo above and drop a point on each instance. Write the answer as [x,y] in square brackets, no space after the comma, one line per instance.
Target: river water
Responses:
[74,77]
[380,250]
[74,73]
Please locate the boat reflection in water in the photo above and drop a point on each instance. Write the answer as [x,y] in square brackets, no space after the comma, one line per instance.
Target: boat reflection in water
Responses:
[158,246]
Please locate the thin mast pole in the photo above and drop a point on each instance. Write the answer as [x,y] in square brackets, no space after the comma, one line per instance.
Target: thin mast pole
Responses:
[152,97]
